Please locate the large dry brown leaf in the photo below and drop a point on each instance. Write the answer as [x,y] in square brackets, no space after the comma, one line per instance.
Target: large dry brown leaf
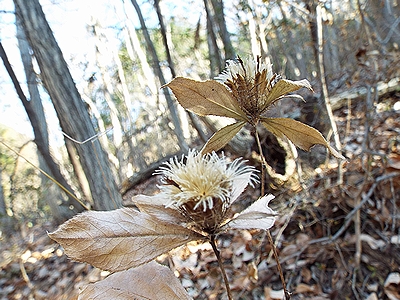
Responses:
[284,86]
[222,137]
[206,98]
[120,239]
[300,134]
[149,281]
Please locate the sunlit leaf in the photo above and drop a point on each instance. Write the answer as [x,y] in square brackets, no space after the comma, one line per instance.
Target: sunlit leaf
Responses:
[120,239]
[205,98]
[256,216]
[148,281]
[222,137]
[300,134]
[284,86]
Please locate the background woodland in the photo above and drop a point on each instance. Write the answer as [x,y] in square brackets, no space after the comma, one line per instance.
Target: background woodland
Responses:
[114,124]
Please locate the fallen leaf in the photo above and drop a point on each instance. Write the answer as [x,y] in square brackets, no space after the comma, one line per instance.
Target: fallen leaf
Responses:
[271,294]
[148,281]
[120,239]
[392,286]
[302,288]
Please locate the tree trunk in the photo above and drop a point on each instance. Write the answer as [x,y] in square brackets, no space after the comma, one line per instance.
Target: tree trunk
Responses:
[35,111]
[157,69]
[133,41]
[219,16]
[71,111]
[108,91]
[167,46]
[216,64]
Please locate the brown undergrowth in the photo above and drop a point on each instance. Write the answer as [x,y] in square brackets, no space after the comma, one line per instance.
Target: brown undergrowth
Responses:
[315,234]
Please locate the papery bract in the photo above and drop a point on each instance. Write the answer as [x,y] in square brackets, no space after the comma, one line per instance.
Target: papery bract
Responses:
[256,216]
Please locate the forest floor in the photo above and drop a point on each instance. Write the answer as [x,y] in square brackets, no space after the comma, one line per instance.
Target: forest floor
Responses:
[324,253]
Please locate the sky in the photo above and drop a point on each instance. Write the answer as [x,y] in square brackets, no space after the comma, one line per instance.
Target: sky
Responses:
[68,19]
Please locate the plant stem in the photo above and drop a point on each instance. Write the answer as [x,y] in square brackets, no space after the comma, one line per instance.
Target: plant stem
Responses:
[221,266]
[270,240]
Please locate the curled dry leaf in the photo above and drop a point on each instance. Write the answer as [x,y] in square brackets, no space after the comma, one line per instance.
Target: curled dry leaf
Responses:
[285,86]
[300,134]
[148,281]
[392,286]
[205,98]
[120,239]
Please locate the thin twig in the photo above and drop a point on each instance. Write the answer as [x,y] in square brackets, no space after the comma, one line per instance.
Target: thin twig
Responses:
[263,163]
[96,136]
[25,275]
[221,266]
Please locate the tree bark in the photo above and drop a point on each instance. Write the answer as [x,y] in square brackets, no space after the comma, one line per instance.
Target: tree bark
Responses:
[71,111]
[35,112]
[219,16]
[216,64]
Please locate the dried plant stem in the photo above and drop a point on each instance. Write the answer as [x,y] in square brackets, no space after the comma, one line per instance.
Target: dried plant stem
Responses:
[270,240]
[221,266]
[324,90]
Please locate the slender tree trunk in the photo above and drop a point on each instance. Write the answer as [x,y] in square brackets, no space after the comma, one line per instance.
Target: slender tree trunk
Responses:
[35,111]
[71,111]
[216,61]
[157,69]
[3,211]
[164,38]
[324,87]
[136,46]
[219,16]
[298,61]
[254,40]
[167,46]
[43,148]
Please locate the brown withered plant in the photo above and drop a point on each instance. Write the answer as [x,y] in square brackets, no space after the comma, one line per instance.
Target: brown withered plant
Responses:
[244,91]
[197,190]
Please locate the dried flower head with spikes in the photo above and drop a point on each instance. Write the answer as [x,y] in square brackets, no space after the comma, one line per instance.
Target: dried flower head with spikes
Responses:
[244,91]
[250,83]
[202,187]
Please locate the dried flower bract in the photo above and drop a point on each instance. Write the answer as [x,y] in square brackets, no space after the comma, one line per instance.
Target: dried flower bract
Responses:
[244,91]
[249,82]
